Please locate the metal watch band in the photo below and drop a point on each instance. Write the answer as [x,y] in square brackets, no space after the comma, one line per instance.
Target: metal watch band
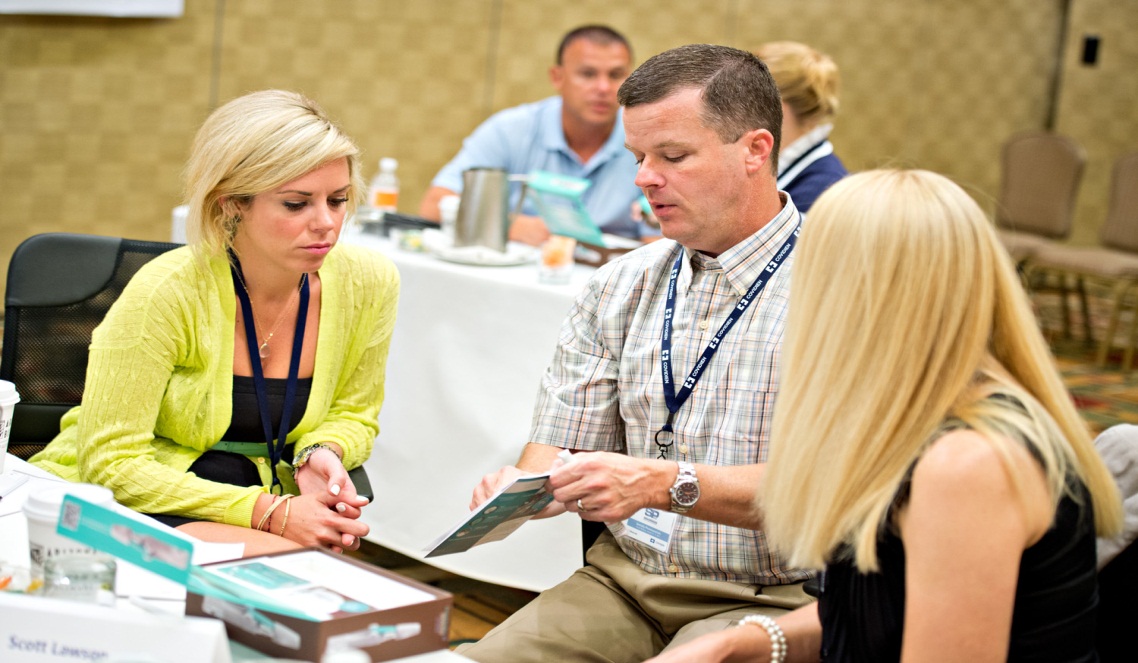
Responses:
[685,490]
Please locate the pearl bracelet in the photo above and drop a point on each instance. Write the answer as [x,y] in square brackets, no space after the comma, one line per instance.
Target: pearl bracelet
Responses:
[774,632]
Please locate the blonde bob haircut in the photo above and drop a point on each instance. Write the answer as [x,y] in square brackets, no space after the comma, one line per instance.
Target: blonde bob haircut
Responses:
[906,316]
[252,145]
[807,80]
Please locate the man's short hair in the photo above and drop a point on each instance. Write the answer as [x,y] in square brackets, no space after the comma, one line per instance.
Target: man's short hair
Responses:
[739,94]
[602,35]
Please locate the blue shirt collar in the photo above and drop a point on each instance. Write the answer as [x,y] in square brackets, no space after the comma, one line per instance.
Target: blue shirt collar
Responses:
[553,138]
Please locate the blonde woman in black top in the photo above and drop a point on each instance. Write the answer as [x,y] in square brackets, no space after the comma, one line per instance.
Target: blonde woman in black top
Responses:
[924,451]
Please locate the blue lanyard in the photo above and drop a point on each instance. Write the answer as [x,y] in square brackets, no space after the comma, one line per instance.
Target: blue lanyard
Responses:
[275,451]
[673,399]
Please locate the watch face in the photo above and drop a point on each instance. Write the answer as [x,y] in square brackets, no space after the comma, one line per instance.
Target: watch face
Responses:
[687,493]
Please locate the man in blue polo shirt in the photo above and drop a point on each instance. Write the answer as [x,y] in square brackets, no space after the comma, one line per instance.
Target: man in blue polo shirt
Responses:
[576,133]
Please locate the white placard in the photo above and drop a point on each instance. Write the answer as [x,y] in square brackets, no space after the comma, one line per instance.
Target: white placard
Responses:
[121,8]
[34,629]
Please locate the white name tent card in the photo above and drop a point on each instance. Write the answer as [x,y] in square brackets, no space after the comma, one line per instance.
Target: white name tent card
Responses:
[34,629]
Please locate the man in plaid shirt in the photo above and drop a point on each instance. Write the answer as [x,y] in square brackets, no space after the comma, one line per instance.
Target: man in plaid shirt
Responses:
[664,380]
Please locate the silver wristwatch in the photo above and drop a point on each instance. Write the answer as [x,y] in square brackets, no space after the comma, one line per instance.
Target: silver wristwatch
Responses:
[685,491]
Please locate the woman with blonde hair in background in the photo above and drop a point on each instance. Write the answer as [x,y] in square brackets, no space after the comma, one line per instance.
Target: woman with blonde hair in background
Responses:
[924,453]
[808,83]
[235,379]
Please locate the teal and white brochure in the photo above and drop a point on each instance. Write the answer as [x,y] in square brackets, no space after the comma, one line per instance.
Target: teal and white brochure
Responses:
[560,205]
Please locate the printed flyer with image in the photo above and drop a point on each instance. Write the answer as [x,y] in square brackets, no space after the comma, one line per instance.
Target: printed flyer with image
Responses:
[496,518]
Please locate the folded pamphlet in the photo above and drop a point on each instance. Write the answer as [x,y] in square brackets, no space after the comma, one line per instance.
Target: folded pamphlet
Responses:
[496,518]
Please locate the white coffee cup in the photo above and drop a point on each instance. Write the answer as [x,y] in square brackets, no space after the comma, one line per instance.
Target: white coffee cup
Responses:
[42,511]
[8,399]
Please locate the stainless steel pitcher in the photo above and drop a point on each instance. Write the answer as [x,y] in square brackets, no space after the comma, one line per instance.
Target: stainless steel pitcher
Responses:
[483,210]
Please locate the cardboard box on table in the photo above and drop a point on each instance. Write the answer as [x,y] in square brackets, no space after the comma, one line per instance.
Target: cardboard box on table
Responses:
[306,639]
[295,604]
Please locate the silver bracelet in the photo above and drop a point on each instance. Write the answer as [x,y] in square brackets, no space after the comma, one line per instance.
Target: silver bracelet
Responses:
[774,632]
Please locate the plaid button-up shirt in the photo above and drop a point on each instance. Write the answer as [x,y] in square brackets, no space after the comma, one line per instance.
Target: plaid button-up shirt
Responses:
[604,391]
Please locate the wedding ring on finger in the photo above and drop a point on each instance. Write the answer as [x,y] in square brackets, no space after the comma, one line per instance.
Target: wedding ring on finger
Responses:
[580,507]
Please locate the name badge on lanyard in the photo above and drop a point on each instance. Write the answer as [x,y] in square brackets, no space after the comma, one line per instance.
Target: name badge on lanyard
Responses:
[276,451]
[675,400]
[653,527]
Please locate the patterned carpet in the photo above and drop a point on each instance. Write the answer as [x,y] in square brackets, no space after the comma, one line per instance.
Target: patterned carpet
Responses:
[1105,396]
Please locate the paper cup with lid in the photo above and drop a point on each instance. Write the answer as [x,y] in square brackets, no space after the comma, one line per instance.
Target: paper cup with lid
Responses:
[8,399]
[42,511]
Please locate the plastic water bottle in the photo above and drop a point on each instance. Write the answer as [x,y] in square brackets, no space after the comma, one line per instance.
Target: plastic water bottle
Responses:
[448,216]
[383,194]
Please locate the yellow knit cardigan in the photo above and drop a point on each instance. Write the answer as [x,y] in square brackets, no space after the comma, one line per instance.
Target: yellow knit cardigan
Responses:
[159,389]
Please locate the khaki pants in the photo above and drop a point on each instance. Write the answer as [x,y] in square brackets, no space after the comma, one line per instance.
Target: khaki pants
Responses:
[612,611]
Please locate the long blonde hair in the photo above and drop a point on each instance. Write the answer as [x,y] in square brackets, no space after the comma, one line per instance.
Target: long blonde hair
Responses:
[254,144]
[905,312]
[807,79]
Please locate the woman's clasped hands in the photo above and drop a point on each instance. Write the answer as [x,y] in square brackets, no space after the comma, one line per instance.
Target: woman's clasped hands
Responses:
[327,511]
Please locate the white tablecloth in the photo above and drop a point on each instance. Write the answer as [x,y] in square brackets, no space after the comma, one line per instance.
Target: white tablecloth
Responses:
[469,348]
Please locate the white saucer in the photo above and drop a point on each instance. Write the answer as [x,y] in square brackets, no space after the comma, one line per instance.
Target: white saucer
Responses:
[481,256]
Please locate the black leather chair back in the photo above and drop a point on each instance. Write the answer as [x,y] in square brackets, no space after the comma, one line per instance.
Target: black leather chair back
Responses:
[60,286]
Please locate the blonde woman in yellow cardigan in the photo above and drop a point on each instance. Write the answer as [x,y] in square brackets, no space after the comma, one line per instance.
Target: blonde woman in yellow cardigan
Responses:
[235,379]
[924,453]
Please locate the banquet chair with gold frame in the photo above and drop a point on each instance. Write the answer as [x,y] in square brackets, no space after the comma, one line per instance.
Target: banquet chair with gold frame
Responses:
[1114,261]
[1040,175]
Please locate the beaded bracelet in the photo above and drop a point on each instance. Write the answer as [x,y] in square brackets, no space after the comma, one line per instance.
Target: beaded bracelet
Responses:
[774,632]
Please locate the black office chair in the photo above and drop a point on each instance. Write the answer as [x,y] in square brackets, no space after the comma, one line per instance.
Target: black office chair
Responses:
[1118,578]
[60,285]
[1118,610]
[590,532]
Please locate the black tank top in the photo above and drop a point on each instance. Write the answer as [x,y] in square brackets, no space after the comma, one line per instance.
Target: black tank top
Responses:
[245,424]
[1056,597]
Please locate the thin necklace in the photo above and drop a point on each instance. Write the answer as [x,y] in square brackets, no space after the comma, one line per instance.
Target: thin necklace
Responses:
[263,349]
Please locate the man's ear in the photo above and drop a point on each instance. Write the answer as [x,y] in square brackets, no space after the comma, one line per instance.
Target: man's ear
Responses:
[759,144]
[557,77]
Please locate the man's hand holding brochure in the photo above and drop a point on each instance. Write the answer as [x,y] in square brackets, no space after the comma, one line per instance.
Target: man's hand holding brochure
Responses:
[497,517]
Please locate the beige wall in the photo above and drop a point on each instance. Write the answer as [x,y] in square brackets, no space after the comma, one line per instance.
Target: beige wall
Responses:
[96,115]
[1098,106]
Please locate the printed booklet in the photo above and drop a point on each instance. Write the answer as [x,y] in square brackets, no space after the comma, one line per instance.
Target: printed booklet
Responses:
[496,518]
